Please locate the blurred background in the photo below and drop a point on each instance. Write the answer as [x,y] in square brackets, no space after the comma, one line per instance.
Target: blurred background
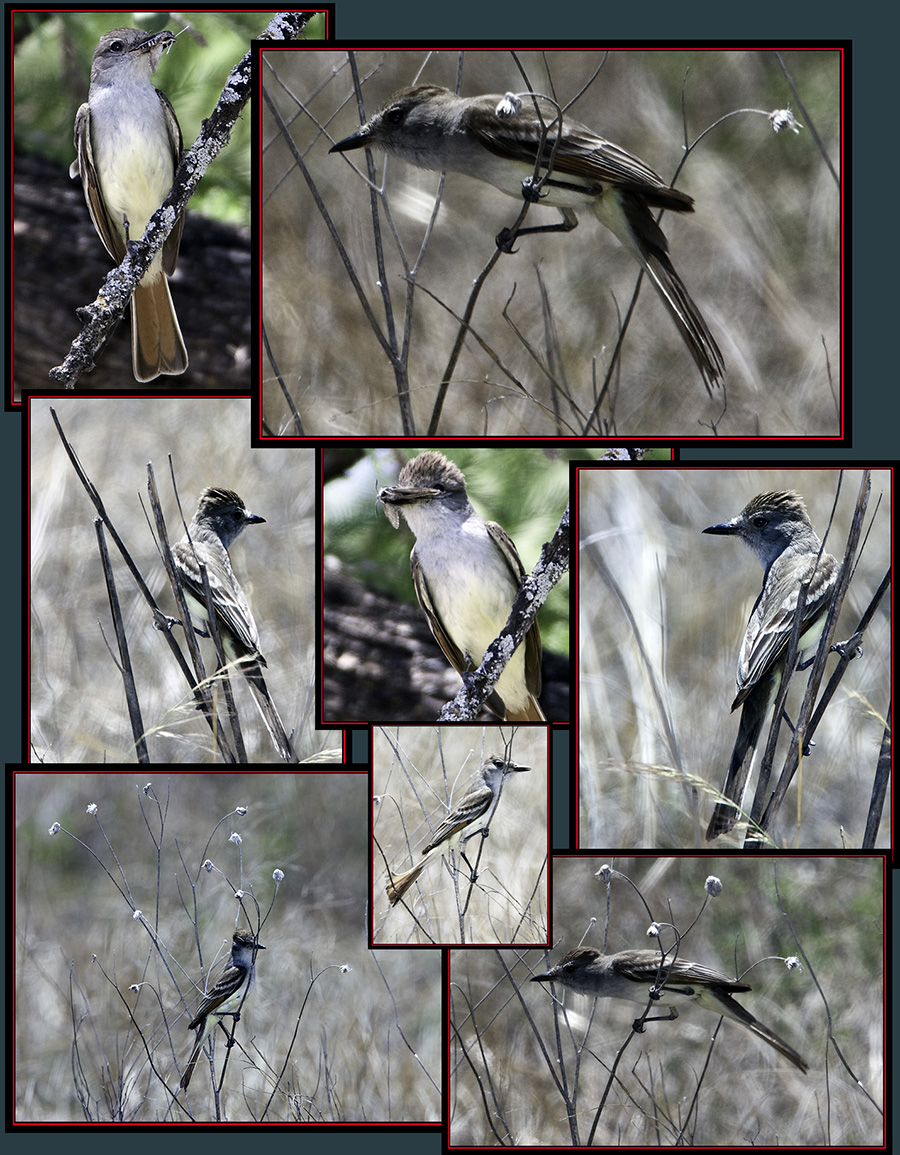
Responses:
[77,700]
[418,774]
[79,950]
[59,259]
[525,490]
[669,1081]
[691,596]
[760,255]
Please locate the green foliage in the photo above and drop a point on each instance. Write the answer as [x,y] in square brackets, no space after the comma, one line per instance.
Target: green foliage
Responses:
[52,74]
[525,490]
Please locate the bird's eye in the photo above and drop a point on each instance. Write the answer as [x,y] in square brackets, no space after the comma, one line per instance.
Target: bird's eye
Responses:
[394,115]
[117,46]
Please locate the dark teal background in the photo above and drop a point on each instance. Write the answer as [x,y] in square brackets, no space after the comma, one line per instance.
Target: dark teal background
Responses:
[869,273]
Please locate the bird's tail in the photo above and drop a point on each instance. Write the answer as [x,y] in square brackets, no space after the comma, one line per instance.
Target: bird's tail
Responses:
[753,715]
[531,712]
[628,216]
[267,709]
[734,1010]
[700,342]
[399,884]
[192,1062]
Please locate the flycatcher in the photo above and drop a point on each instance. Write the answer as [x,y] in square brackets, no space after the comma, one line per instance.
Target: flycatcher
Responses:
[631,974]
[467,574]
[228,995]
[498,139]
[472,814]
[129,144]
[220,518]
[777,528]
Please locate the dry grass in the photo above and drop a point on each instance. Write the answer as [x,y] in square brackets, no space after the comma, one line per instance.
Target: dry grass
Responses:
[77,701]
[507,1060]
[691,596]
[760,255]
[368,1044]
[414,770]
